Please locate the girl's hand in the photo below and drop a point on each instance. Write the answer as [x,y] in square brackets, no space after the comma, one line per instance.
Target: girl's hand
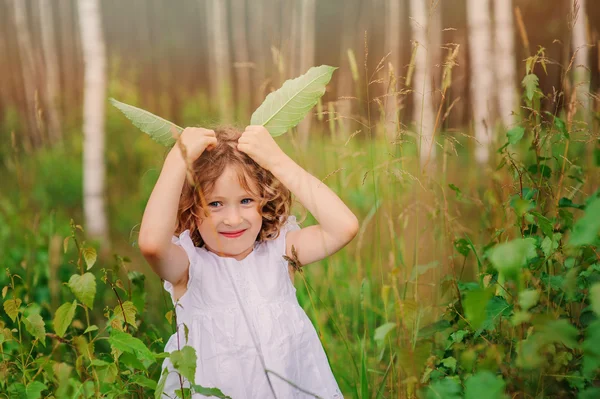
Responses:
[195,140]
[260,146]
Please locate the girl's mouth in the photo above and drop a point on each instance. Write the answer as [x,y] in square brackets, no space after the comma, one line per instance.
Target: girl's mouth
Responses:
[233,234]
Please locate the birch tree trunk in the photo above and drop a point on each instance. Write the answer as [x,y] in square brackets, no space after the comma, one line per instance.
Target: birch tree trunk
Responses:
[421,81]
[505,57]
[28,72]
[307,57]
[580,45]
[51,75]
[94,58]
[354,25]
[392,46]
[478,24]
[220,66]
[241,67]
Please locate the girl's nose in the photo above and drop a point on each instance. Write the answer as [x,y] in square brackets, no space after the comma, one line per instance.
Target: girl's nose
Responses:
[233,217]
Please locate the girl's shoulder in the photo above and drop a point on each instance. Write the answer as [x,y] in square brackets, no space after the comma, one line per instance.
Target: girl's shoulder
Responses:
[184,240]
[278,244]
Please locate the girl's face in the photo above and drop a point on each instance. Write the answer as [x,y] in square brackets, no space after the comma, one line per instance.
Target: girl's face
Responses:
[234,220]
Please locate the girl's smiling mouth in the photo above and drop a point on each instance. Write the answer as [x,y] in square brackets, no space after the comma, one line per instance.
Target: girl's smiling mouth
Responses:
[233,234]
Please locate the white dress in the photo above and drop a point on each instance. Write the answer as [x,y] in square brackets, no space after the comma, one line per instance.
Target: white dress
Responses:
[222,332]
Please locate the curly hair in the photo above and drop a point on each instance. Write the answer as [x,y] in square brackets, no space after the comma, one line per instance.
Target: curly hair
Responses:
[275,199]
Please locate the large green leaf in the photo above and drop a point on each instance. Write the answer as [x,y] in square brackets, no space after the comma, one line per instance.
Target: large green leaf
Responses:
[184,361]
[84,288]
[127,343]
[63,317]
[586,230]
[159,129]
[484,384]
[34,324]
[285,108]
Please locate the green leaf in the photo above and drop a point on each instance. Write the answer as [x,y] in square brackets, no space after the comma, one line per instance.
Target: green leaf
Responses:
[34,390]
[515,134]
[143,381]
[210,392]
[183,393]
[530,83]
[475,304]
[184,361]
[510,257]
[11,307]
[34,324]
[542,169]
[286,107]
[382,331]
[84,288]
[422,269]
[528,298]
[585,231]
[63,317]
[90,256]
[484,384]
[127,343]
[591,350]
[159,129]
[130,312]
[91,328]
[444,389]
[595,298]
[565,202]
[450,363]
[558,331]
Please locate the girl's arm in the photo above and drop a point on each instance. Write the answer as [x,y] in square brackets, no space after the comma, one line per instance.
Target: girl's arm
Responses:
[168,260]
[337,224]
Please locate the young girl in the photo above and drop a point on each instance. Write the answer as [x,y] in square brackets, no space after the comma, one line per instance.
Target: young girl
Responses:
[225,267]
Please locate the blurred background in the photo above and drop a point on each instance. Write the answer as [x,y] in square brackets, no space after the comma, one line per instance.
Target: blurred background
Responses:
[410,133]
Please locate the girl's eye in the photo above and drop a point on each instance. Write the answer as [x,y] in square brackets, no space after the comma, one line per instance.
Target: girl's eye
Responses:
[246,201]
[214,204]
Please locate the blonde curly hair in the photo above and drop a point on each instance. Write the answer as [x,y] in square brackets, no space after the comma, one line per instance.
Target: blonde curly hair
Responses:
[275,199]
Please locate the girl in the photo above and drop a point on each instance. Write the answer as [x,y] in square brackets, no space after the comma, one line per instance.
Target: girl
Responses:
[225,269]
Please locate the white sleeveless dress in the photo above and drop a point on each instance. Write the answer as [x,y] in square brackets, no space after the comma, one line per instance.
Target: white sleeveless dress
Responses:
[230,339]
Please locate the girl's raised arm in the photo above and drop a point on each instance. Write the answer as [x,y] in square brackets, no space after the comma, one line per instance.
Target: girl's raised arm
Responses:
[168,260]
[337,224]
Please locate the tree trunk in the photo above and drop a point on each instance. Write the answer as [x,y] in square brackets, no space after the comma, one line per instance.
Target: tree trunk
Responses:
[392,46]
[478,23]
[505,60]
[220,65]
[94,58]
[28,73]
[580,45]
[242,71]
[307,58]
[421,81]
[51,76]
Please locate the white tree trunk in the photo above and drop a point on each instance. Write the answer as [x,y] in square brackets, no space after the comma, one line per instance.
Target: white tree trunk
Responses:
[580,45]
[307,57]
[260,51]
[242,71]
[423,113]
[480,41]
[94,58]
[504,64]
[51,64]
[221,61]
[27,71]
[392,46]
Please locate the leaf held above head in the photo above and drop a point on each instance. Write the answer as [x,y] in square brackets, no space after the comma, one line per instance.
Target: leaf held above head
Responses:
[284,108]
[160,130]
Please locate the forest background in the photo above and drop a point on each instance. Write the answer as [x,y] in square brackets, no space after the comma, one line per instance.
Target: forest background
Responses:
[463,133]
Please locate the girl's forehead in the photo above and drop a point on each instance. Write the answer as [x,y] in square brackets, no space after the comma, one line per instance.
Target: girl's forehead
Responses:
[234,181]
